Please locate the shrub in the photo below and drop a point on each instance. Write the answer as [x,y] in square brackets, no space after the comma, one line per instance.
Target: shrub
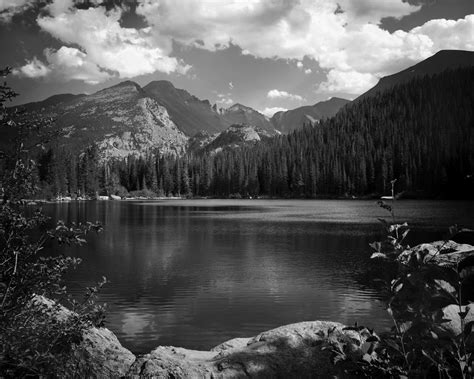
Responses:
[31,342]
[418,296]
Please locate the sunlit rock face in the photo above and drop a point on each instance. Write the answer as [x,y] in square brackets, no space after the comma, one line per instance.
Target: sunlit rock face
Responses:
[121,120]
[297,351]
[98,355]
[235,136]
[241,114]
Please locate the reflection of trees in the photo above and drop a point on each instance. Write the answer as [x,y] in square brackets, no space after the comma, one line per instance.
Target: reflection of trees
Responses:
[187,270]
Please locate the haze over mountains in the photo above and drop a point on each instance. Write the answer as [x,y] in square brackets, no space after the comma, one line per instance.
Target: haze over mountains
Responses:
[127,119]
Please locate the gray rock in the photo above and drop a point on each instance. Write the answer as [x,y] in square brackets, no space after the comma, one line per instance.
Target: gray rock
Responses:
[99,355]
[295,350]
[442,253]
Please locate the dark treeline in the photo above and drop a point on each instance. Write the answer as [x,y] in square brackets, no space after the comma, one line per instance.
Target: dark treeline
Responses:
[420,133]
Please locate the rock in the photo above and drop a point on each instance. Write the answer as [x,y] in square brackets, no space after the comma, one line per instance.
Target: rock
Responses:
[442,253]
[453,327]
[99,355]
[232,344]
[295,350]
[115,197]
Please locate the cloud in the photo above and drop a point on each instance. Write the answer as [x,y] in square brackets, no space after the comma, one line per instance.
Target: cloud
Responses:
[33,69]
[9,8]
[344,37]
[347,82]
[308,71]
[72,64]
[225,101]
[104,44]
[270,111]
[67,63]
[277,94]
[372,11]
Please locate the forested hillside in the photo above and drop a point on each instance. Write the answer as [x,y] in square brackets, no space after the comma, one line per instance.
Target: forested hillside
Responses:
[421,133]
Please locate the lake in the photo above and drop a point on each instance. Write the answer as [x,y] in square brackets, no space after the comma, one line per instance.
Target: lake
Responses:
[194,273]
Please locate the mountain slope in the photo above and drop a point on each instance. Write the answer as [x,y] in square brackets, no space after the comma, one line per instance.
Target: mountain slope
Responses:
[291,120]
[441,61]
[189,113]
[235,136]
[121,120]
[52,101]
[241,114]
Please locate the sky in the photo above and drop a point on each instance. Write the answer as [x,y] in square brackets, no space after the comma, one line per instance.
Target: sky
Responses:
[267,54]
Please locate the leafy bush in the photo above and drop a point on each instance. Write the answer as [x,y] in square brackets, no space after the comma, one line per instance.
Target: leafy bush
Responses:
[31,341]
[420,294]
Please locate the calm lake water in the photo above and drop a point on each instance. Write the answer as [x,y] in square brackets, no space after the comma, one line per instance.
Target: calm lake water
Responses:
[194,273]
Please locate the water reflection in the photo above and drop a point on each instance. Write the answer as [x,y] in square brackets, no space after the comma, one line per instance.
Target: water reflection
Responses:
[194,274]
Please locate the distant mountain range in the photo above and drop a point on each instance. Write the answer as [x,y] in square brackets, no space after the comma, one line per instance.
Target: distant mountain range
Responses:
[128,119]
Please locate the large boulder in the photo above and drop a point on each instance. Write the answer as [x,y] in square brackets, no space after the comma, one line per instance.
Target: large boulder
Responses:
[296,350]
[98,355]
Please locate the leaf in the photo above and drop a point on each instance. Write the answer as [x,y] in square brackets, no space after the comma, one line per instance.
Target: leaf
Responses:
[446,286]
[468,328]
[367,358]
[373,339]
[398,287]
[377,246]
[463,315]
[378,256]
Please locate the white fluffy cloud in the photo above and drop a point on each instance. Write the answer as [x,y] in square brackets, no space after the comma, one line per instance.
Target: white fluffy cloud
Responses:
[270,111]
[277,94]
[32,69]
[67,63]
[106,48]
[346,39]
[343,36]
[224,100]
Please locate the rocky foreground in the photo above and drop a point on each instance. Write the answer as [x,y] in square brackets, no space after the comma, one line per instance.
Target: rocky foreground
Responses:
[298,350]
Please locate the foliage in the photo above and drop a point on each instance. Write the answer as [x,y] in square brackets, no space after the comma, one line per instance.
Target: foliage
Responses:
[419,345]
[32,339]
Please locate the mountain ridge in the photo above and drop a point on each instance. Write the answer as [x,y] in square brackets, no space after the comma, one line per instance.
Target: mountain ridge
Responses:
[435,64]
[288,121]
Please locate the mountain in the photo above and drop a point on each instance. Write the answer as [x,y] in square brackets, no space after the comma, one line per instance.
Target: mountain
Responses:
[121,120]
[288,121]
[193,115]
[241,114]
[189,113]
[235,136]
[128,119]
[441,61]
[52,101]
